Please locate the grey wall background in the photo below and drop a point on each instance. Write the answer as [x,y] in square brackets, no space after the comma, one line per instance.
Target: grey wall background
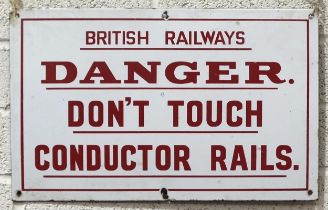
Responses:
[7,6]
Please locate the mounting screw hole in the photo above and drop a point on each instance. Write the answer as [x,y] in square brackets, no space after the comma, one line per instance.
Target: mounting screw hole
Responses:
[311,15]
[165,15]
[164,193]
[310,192]
[19,193]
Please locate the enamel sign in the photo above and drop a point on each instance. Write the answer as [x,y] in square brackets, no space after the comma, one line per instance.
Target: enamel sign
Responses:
[158,105]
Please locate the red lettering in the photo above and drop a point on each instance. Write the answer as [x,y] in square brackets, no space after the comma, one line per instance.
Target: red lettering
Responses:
[127,166]
[255,72]
[218,159]
[181,158]
[76,157]
[59,157]
[191,77]
[167,157]
[215,71]
[238,158]
[93,157]
[137,68]
[72,122]
[105,74]
[51,72]
[38,150]
[264,158]
[286,161]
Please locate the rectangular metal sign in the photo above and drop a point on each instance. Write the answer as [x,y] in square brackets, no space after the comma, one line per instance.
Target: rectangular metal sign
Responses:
[156,105]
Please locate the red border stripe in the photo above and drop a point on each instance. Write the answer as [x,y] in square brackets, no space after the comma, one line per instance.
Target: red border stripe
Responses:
[22,105]
[156,19]
[159,19]
[307,104]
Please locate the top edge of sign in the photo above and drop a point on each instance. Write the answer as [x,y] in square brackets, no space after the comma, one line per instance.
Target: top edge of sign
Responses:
[172,13]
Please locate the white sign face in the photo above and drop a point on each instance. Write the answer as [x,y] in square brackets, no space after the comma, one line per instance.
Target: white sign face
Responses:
[156,105]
